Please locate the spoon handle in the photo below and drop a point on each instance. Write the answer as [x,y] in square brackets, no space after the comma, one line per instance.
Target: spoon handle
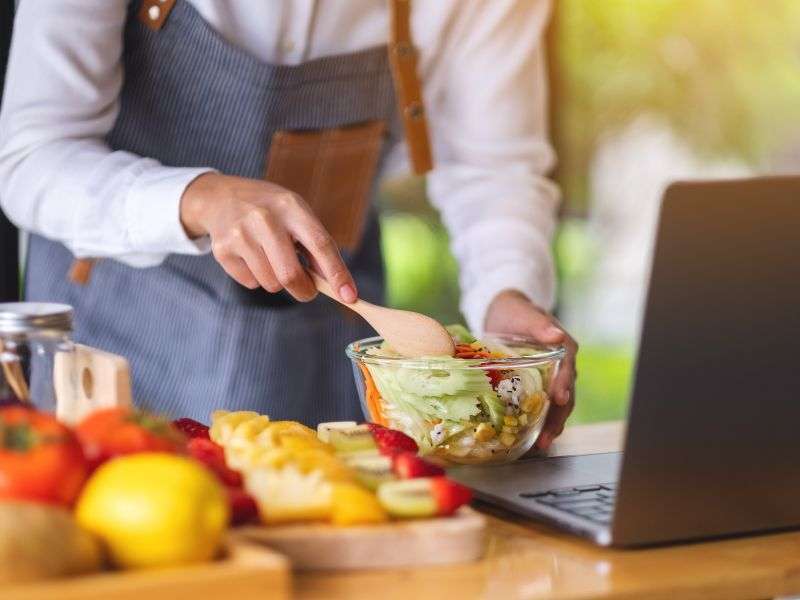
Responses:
[408,333]
[323,287]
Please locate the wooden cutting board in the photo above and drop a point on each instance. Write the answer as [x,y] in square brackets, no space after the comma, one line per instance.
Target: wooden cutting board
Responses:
[247,571]
[456,539]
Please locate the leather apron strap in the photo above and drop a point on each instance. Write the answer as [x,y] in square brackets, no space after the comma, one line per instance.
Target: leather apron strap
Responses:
[154,13]
[403,62]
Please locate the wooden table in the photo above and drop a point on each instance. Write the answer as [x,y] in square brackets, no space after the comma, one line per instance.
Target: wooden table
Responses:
[530,561]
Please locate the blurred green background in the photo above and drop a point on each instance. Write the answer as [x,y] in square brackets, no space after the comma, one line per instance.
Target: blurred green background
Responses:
[721,77]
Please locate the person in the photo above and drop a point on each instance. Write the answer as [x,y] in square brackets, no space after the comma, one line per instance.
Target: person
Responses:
[207,152]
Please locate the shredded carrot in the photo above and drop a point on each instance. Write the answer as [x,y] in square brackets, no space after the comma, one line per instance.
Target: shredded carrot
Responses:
[373,397]
[473,354]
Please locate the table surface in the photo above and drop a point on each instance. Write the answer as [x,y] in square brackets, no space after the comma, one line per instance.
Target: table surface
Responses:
[526,560]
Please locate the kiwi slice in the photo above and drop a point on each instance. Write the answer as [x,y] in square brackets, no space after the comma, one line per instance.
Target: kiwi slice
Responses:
[408,498]
[371,470]
[352,439]
[324,429]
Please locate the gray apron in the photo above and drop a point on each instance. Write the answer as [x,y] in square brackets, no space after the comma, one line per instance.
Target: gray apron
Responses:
[196,340]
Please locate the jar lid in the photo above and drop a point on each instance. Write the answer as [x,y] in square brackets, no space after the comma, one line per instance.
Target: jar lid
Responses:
[29,317]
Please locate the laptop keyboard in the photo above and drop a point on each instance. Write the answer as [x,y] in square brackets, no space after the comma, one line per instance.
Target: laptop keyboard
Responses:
[593,502]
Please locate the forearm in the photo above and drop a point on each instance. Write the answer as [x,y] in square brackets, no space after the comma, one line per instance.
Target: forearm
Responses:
[97,202]
[492,153]
[500,235]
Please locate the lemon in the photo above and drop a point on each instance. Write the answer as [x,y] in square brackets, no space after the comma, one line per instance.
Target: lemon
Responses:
[154,509]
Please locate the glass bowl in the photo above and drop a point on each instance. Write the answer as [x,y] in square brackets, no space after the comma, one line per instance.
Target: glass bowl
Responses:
[460,410]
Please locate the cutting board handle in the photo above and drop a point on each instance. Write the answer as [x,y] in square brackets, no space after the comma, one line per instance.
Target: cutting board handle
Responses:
[87,379]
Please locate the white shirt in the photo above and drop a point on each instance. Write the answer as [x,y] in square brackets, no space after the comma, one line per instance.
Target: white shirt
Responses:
[483,73]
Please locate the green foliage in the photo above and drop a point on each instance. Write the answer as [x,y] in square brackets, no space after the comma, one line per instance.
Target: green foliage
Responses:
[421,273]
[603,385]
[722,73]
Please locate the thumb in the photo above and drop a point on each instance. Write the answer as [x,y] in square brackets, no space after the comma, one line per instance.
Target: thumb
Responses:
[543,329]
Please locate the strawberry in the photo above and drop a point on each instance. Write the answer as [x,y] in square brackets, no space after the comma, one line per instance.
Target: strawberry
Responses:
[191,428]
[391,441]
[407,465]
[449,495]
[243,507]
[213,456]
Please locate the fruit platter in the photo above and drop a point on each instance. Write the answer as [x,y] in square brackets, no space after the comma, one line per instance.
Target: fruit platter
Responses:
[347,495]
[123,493]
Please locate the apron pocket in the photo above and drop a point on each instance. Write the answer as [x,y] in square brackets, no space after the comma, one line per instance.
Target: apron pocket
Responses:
[333,170]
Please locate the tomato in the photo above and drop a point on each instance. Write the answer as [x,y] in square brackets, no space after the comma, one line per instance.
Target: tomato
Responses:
[40,459]
[118,431]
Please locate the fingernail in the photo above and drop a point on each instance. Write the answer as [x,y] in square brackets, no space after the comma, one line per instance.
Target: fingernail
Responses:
[554,331]
[564,398]
[347,293]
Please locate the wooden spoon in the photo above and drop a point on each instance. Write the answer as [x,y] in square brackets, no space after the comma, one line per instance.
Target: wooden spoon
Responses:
[15,377]
[408,333]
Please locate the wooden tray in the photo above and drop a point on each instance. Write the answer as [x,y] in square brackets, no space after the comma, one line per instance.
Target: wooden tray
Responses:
[248,571]
[456,539]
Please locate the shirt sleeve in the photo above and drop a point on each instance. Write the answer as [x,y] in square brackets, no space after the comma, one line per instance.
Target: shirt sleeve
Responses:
[486,93]
[58,178]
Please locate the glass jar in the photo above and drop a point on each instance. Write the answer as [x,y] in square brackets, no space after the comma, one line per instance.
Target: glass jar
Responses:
[34,336]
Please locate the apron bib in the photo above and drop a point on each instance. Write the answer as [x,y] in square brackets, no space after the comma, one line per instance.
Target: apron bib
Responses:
[195,339]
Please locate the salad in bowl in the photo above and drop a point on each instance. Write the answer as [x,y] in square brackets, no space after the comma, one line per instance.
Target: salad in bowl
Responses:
[486,404]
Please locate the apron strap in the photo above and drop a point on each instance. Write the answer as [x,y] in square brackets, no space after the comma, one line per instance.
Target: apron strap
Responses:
[403,60]
[154,13]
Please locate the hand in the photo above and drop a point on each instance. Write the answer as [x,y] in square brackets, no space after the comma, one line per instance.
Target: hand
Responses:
[254,226]
[511,312]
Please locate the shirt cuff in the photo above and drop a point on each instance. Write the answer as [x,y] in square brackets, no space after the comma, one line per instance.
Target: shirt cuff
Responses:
[152,212]
[538,285]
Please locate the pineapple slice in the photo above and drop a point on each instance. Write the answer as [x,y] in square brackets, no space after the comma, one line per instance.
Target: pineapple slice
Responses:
[295,442]
[289,495]
[247,432]
[331,467]
[223,424]
[305,460]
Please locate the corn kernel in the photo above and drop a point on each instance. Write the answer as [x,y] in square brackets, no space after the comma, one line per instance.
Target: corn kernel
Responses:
[484,432]
[507,429]
[533,403]
[523,419]
[507,439]
[510,420]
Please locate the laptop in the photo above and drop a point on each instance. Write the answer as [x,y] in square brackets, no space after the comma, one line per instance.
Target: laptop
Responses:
[712,446]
